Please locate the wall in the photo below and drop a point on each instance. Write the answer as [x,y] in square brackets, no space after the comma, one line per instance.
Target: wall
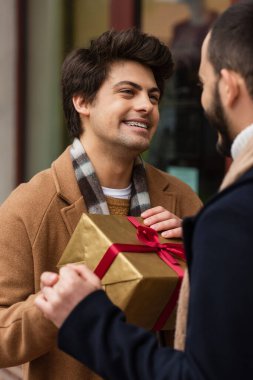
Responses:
[7,96]
[44,122]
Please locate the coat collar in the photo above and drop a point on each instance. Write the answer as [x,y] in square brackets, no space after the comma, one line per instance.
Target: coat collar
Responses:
[68,190]
[67,187]
[245,178]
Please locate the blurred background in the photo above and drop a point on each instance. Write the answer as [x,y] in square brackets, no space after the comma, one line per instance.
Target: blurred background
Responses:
[36,35]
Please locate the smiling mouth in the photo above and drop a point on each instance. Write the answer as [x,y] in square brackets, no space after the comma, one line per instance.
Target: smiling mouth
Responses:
[136,124]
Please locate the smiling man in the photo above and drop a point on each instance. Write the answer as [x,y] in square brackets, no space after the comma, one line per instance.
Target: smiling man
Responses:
[111,93]
[218,243]
[120,122]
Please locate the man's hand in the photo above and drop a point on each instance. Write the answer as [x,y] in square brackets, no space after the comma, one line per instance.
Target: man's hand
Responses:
[61,293]
[161,219]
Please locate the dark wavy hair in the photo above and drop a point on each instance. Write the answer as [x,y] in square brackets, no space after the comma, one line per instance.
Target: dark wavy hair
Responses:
[85,70]
[230,44]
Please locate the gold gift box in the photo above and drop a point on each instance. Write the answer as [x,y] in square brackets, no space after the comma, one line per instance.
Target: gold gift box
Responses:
[140,284]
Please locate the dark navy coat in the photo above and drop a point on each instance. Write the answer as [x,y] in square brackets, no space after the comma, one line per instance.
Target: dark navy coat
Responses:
[219,344]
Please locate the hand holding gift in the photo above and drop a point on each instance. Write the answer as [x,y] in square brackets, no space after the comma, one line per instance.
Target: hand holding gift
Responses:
[61,293]
[163,221]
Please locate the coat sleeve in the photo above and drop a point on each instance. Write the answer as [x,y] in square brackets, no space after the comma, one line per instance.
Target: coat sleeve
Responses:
[24,333]
[97,335]
[220,329]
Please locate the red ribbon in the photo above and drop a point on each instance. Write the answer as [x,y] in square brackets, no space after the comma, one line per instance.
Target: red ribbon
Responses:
[166,251]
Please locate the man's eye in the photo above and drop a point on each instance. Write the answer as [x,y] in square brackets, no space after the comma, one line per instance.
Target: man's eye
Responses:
[127,91]
[154,99]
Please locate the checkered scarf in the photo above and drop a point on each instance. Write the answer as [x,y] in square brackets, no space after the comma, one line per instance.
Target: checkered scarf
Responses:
[91,189]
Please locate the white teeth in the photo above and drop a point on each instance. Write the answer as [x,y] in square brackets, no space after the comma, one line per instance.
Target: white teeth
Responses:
[137,124]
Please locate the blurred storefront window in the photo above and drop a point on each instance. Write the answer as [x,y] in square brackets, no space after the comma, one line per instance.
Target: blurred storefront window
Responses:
[184,144]
[90,19]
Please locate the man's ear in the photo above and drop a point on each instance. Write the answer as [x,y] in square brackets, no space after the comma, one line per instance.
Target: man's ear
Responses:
[230,83]
[81,105]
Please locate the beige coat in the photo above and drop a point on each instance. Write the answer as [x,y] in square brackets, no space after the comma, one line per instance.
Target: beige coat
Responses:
[36,222]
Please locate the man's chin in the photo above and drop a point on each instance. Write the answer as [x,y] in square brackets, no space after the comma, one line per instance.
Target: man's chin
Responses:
[139,147]
[131,149]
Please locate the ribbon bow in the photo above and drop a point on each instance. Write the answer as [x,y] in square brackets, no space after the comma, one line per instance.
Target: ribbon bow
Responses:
[150,237]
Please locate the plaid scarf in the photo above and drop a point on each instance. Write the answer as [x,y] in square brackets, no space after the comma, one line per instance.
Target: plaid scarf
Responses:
[91,189]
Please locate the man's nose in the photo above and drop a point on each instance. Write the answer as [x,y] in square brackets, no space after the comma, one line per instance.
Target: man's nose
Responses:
[143,103]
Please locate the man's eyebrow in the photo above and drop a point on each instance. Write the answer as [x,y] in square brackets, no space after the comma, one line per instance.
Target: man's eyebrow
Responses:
[135,85]
[154,89]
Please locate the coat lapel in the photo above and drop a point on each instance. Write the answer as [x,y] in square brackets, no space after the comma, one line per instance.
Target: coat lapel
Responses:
[72,214]
[159,191]
[68,190]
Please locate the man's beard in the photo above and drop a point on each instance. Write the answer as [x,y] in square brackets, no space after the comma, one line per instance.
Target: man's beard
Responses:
[217,119]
